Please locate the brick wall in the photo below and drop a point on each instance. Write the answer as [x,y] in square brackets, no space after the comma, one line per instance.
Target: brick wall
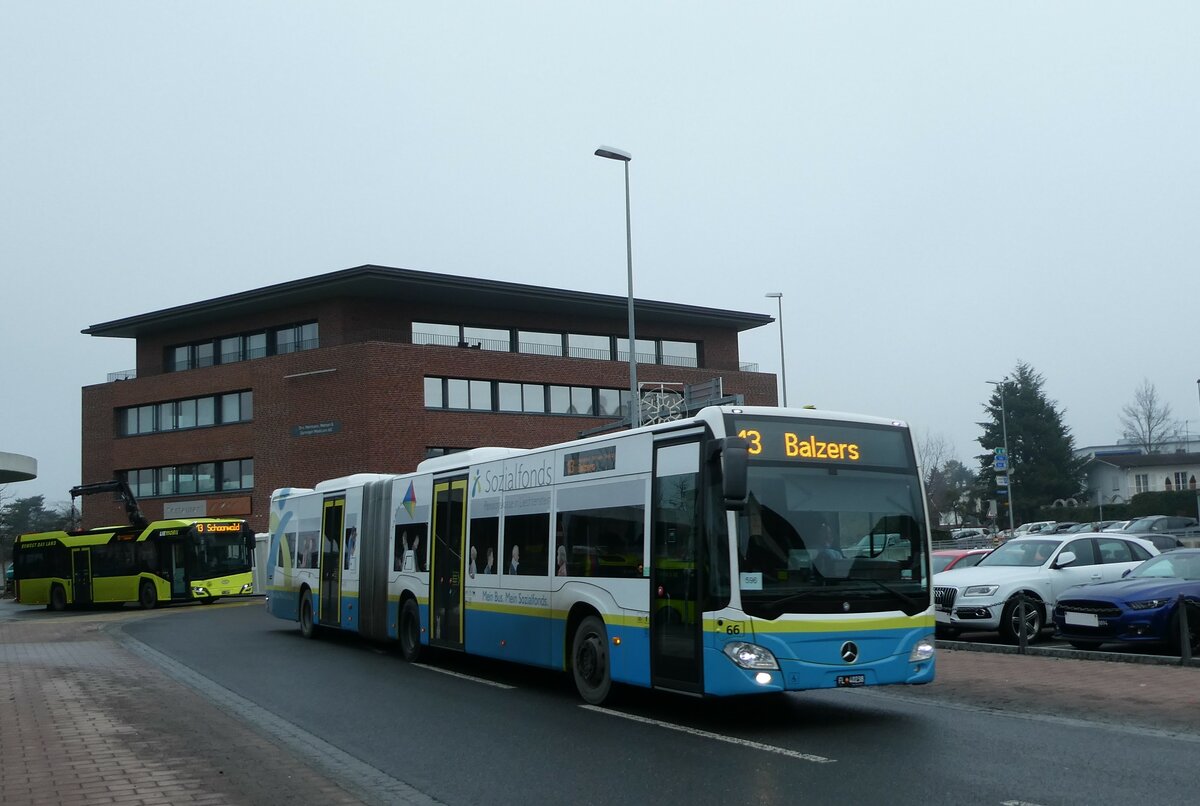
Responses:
[374,390]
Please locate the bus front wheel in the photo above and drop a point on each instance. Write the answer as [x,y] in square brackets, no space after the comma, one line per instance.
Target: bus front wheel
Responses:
[308,627]
[410,631]
[589,661]
[147,596]
[58,599]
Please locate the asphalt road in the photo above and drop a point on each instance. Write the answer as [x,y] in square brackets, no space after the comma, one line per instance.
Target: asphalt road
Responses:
[463,731]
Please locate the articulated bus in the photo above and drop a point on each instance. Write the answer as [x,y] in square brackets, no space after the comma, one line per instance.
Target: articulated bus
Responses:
[199,559]
[740,550]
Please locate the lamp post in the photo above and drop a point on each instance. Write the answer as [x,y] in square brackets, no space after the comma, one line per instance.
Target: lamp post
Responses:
[1007,458]
[778,295]
[635,404]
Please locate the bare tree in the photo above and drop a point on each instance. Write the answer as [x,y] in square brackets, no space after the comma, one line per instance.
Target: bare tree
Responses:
[933,454]
[1147,421]
[933,451]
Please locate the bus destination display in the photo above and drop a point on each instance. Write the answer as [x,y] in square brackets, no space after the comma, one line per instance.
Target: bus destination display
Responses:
[821,441]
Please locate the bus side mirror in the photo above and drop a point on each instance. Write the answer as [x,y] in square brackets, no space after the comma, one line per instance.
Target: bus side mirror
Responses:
[733,453]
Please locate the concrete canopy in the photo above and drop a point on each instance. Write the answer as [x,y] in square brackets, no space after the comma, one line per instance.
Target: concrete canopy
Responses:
[15,467]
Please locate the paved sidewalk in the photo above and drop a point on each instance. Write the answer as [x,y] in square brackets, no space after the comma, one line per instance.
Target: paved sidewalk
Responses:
[85,721]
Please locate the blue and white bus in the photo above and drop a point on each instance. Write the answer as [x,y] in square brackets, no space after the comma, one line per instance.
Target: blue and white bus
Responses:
[740,550]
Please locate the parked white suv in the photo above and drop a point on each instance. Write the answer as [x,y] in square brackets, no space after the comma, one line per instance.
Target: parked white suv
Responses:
[984,598]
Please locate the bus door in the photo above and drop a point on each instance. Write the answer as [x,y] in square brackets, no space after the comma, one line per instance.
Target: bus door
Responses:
[81,575]
[331,561]
[177,567]
[447,571]
[676,540]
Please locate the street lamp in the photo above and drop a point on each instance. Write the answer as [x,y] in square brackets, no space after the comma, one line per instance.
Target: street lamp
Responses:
[778,295]
[1008,459]
[635,404]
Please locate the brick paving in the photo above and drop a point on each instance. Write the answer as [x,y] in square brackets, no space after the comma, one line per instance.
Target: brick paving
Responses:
[85,721]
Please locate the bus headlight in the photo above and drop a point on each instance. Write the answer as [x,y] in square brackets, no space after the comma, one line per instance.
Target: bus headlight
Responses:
[248,587]
[198,591]
[750,656]
[923,650]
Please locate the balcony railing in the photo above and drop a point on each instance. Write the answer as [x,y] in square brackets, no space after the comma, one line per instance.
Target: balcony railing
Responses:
[123,375]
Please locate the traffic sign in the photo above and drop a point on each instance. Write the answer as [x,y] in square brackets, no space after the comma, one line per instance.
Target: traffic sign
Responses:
[1002,491]
[1000,451]
[1000,463]
[1002,481]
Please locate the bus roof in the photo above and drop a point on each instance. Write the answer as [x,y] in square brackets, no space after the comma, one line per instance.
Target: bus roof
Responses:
[352,480]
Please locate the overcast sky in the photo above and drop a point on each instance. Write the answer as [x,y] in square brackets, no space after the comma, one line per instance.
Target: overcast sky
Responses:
[940,189]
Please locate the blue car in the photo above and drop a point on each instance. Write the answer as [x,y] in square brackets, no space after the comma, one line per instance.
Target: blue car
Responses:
[1141,607]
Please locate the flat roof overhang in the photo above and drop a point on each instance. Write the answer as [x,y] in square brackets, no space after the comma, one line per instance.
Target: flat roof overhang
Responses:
[383,282]
[17,467]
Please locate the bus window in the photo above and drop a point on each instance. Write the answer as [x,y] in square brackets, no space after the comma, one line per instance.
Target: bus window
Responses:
[527,541]
[485,537]
[602,528]
[409,549]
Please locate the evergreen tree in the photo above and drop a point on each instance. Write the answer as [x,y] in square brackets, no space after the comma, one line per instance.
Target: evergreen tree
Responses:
[24,515]
[1041,451]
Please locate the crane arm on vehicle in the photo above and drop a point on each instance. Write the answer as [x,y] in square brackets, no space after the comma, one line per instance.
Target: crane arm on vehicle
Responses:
[121,488]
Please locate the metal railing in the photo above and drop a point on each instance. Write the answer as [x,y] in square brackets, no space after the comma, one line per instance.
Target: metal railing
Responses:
[123,375]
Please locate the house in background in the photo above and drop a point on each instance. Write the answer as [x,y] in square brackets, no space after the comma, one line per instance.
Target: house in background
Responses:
[1117,478]
[373,369]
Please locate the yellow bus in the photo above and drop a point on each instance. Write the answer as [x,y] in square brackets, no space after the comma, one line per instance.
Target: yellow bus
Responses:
[195,559]
[167,561]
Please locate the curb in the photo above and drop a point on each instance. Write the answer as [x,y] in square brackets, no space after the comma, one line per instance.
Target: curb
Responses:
[1069,654]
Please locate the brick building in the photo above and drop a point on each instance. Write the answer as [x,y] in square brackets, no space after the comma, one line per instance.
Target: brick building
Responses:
[373,369]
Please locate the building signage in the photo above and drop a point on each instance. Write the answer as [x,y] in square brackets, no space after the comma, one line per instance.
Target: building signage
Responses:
[185,509]
[316,429]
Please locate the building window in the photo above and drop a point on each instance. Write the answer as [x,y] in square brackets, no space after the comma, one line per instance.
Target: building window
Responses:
[486,338]
[528,398]
[166,416]
[431,333]
[295,338]
[236,474]
[609,402]
[255,346]
[680,353]
[543,342]
[174,415]
[538,343]
[231,349]
[434,397]
[647,351]
[508,397]
[582,346]
[1141,483]
[533,397]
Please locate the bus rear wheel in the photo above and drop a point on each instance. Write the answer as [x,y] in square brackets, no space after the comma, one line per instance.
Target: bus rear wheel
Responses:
[58,599]
[308,627]
[410,631]
[589,661]
[147,596]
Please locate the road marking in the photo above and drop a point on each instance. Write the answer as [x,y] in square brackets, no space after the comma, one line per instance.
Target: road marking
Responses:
[767,748]
[463,676]
[1018,803]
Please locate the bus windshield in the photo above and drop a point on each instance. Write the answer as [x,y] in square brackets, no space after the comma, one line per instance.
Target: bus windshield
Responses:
[222,555]
[831,540]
